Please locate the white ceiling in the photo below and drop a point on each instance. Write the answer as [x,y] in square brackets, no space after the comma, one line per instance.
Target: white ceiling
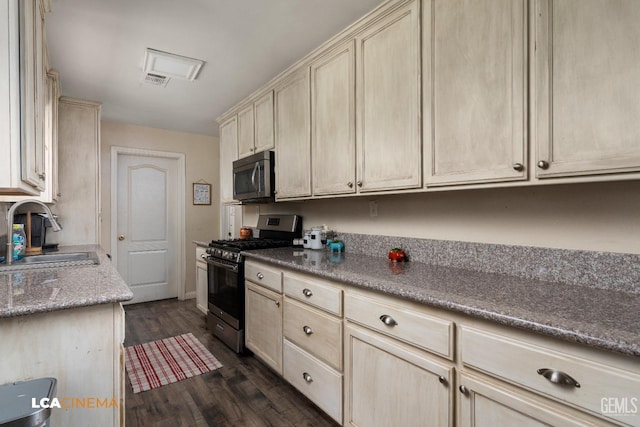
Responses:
[98,46]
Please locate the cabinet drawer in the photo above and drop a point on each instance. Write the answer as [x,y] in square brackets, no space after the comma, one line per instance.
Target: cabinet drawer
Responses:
[407,324]
[264,275]
[519,362]
[314,379]
[313,292]
[315,331]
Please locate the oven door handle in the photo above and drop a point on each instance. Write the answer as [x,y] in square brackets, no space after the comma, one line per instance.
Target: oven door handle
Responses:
[230,267]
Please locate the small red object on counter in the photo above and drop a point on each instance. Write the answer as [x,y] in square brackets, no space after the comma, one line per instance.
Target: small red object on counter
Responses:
[397,255]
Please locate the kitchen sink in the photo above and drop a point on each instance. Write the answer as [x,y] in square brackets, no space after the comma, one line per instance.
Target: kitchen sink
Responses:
[53,260]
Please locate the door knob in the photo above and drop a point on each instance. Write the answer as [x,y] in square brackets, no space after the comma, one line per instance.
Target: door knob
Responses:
[121,237]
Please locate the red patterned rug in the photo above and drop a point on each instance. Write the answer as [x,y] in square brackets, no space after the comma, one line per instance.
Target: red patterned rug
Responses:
[166,361]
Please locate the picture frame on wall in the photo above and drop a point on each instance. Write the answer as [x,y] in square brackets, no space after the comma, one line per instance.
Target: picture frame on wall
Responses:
[201,193]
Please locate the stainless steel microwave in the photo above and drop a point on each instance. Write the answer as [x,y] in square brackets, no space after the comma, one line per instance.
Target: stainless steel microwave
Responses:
[254,178]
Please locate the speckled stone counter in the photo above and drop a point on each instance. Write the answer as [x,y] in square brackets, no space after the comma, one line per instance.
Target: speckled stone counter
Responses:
[48,289]
[602,318]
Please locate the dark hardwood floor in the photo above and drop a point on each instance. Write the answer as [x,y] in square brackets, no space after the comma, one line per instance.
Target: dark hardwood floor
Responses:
[244,392]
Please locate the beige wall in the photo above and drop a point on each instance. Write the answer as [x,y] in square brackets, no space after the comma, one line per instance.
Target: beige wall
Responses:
[596,216]
[201,152]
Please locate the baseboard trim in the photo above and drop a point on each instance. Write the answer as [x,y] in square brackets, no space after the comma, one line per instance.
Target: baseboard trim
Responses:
[190,295]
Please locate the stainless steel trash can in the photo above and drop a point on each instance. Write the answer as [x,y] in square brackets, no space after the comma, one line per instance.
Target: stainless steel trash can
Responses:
[21,403]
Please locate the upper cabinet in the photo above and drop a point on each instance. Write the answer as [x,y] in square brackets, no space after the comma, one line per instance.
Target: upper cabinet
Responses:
[586,77]
[388,101]
[474,102]
[293,142]
[255,126]
[23,97]
[228,153]
[333,135]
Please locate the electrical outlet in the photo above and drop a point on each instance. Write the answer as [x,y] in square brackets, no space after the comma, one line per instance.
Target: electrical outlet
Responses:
[373,208]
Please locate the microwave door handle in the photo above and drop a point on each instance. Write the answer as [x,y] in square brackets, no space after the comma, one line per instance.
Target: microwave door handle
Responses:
[253,175]
[259,178]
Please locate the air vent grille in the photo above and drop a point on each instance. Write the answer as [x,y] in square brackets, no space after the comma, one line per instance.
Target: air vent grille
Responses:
[156,79]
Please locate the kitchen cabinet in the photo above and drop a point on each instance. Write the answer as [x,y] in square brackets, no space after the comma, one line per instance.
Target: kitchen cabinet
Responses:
[390,377]
[293,141]
[474,95]
[312,329]
[228,154]
[333,121]
[388,99]
[585,75]
[201,280]
[82,348]
[263,313]
[23,91]
[567,376]
[255,126]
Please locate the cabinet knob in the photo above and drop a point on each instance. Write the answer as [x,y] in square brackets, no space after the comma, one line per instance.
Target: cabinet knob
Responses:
[277,303]
[442,380]
[558,377]
[260,276]
[359,183]
[42,176]
[388,320]
[464,390]
[307,377]
[307,292]
[518,167]
[350,184]
[121,237]
[543,164]
[307,330]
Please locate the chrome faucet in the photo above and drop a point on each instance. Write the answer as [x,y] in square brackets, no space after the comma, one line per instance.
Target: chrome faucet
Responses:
[54,225]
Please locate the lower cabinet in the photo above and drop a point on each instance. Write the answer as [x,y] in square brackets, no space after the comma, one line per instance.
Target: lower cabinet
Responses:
[388,383]
[263,324]
[201,280]
[489,403]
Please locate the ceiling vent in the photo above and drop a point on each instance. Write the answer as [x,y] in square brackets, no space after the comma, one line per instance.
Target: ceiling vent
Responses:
[159,64]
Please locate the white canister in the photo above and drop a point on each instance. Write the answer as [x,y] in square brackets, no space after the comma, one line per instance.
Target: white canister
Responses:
[316,238]
[306,240]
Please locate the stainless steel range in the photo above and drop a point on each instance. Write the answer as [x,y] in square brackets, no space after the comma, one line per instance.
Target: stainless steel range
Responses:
[225,272]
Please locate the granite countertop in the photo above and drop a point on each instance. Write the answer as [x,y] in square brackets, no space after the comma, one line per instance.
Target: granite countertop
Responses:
[40,290]
[601,318]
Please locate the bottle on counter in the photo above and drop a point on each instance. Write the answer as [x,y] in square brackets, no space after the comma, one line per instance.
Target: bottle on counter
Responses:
[19,242]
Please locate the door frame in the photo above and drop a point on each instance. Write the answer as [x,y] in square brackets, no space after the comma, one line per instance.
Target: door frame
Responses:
[180,244]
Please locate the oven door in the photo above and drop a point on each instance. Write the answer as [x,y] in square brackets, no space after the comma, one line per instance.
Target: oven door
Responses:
[226,291]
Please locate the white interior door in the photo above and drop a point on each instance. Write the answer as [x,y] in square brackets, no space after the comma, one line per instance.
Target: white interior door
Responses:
[147,226]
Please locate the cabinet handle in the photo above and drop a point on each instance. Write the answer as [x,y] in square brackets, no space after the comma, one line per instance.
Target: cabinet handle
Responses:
[558,377]
[203,256]
[260,276]
[42,176]
[359,183]
[350,184]
[307,377]
[388,320]
[307,292]
[464,390]
[442,380]
[543,164]
[307,330]
[518,167]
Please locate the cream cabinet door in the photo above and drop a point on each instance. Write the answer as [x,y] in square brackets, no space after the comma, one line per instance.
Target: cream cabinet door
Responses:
[293,142]
[391,384]
[245,132]
[475,62]
[333,121]
[201,280]
[587,75]
[488,403]
[263,324]
[228,153]
[263,123]
[388,99]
